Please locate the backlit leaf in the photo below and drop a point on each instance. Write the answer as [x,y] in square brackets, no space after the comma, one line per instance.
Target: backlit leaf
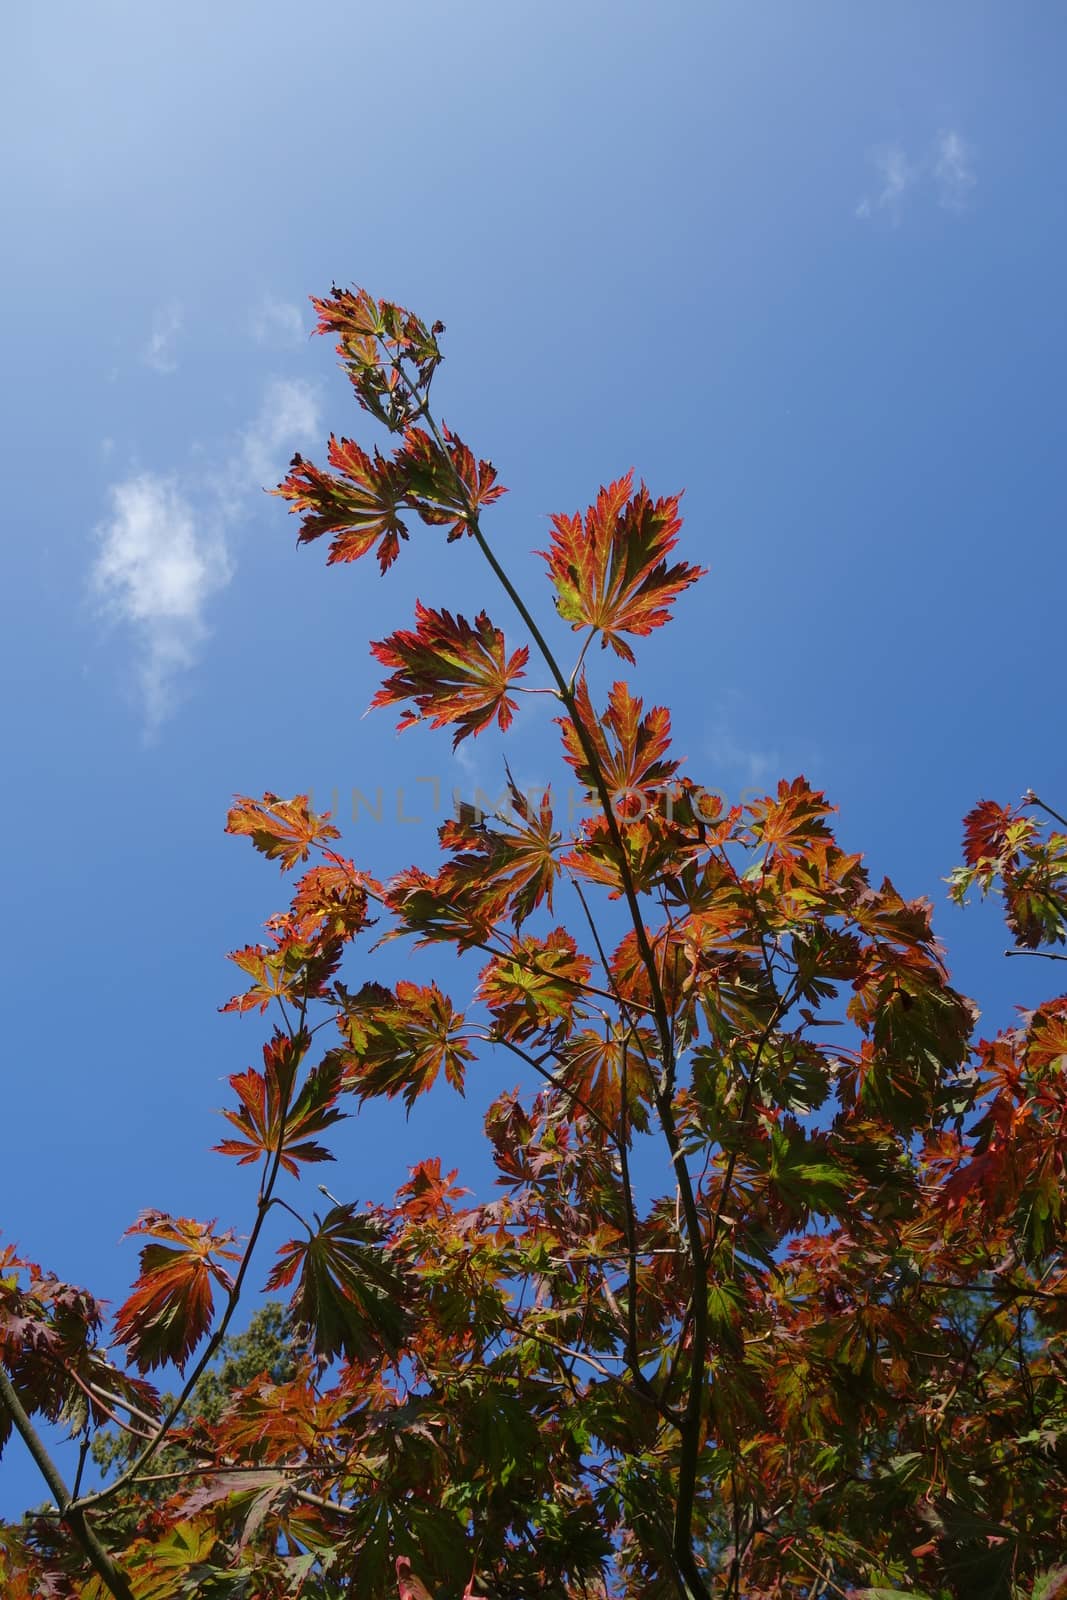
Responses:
[454,671]
[610,568]
[170,1308]
[351,1293]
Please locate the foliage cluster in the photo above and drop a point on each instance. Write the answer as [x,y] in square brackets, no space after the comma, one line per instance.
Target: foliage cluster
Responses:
[771,1300]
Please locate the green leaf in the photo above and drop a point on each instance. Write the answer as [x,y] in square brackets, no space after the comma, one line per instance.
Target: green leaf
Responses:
[1051,1585]
[351,1294]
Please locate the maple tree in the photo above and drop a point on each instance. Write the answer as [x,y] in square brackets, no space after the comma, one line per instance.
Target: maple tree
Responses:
[771,1300]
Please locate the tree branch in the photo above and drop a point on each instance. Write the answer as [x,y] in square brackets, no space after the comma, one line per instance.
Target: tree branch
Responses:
[72,1514]
[263,1205]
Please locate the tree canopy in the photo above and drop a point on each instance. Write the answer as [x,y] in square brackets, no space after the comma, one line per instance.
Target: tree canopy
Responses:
[770,1301]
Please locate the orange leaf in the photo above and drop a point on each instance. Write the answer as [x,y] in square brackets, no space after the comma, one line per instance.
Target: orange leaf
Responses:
[283,830]
[454,672]
[610,570]
[171,1305]
[359,503]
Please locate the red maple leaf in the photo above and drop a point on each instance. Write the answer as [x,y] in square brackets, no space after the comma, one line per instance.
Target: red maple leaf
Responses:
[631,745]
[358,503]
[171,1305]
[610,569]
[985,831]
[453,670]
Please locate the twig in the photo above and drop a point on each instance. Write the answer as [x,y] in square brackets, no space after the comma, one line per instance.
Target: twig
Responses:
[72,1514]
[1030,798]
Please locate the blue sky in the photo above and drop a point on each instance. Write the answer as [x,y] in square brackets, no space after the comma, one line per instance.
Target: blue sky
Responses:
[806,262]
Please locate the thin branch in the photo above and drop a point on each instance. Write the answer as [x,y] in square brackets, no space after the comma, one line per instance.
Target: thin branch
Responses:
[72,1514]
[969,1355]
[262,1207]
[1007,1290]
[523,1332]
[550,1077]
[1030,798]
[690,1431]
[83,1456]
[821,1576]
[566,694]
[125,1405]
[95,1398]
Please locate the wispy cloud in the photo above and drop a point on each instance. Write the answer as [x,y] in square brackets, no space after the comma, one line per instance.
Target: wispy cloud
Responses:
[159,352]
[729,756]
[163,551]
[288,416]
[953,171]
[276,321]
[160,560]
[897,176]
[735,759]
[944,166]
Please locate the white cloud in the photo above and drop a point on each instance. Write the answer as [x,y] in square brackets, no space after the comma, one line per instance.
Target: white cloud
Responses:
[162,551]
[725,750]
[158,564]
[277,322]
[897,176]
[288,417]
[945,166]
[729,758]
[952,169]
[166,326]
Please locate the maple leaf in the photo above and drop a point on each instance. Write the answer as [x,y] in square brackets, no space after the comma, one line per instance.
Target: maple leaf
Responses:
[1047,1041]
[454,672]
[351,1293]
[356,317]
[792,820]
[171,1305]
[400,1042]
[428,1192]
[273,977]
[266,1119]
[610,570]
[295,969]
[598,1069]
[534,986]
[415,896]
[359,503]
[630,744]
[333,892]
[251,1497]
[1035,896]
[283,830]
[986,831]
[507,866]
[270,1420]
[446,487]
[375,339]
